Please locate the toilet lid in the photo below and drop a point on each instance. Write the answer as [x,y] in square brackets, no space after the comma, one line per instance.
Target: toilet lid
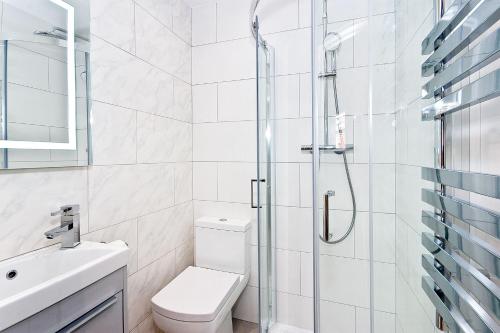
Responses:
[197,294]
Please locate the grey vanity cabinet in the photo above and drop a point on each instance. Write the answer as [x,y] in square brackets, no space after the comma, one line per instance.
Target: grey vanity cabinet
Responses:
[98,308]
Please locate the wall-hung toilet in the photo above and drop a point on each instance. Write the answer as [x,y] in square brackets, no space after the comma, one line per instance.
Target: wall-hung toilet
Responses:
[199,300]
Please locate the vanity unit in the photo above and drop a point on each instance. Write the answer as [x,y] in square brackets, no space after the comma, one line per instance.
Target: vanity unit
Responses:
[81,289]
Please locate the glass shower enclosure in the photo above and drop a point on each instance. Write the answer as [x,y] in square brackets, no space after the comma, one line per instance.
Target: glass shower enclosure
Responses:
[327,260]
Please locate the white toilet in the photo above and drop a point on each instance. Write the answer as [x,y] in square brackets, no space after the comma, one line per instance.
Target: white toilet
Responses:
[199,300]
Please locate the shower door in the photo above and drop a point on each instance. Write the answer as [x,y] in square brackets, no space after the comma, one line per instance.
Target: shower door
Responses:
[265,182]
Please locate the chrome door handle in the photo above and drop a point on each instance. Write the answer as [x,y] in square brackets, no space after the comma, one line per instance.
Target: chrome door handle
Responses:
[252,182]
[326,236]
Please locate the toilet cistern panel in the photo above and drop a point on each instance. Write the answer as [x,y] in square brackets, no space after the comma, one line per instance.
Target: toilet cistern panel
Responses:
[222,244]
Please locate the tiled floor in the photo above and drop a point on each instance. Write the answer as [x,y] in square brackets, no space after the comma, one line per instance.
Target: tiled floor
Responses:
[240,326]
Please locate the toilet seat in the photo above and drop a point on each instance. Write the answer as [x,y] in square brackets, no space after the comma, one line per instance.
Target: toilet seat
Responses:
[196,295]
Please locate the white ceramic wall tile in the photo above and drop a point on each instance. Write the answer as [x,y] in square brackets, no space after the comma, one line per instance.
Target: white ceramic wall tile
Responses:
[113,134]
[384,287]
[382,33]
[337,317]
[341,10]
[204,24]
[145,284]
[490,139]
[272,19]
[295,310]
[205,180]
[183,182]
[304,13]
[340,222]
[293,228]
[205,103]
[384,188]
[183,103]
[381,6]
[226,61]
[353,80]
[305,95]
[27,68]
[164,231]
[234,181]
[288,271]
[384,88]
[228,141]
[294,56]
[287,94]
[345,280]
[237,100]
[247,306]
[127,232]
[232,19]
[119,78]
[113,20]
[160,9]
[345,55]
[162,140]
[287,184]
[384,132]
[162,48]
[384,235]
[290,135]
[383,321]
[184,256]
[306,274]
[181,20]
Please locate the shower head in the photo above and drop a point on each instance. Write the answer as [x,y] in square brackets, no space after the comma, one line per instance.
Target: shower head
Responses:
[332,42]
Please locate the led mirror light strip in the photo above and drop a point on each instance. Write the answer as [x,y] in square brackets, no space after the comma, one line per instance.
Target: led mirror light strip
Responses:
[71,78]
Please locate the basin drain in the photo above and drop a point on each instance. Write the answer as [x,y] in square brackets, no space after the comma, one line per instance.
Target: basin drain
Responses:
[11,274]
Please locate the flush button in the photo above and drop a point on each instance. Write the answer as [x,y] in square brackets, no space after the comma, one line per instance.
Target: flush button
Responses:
[223,220]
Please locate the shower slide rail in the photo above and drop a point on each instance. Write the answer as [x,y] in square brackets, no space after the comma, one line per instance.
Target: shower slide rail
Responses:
[463,263]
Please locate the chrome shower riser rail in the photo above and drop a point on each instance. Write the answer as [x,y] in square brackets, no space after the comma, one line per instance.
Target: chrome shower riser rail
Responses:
[481,90]
[487,51]
[479,20]
[484,184]
[485,290]
[475,248]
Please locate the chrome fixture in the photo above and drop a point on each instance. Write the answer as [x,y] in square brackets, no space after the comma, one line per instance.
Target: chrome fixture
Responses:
[69,229]
[462,266]
[332,42]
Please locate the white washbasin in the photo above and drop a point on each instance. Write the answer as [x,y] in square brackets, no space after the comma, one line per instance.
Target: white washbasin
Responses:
[49,275]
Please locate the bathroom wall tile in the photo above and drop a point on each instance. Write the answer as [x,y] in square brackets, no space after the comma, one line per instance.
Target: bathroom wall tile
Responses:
[155,187]
[384,235]
[119,78]
[28,68]
[113,134]
[384,287]
[490,137]
[384,188]
[294,310]
[383,321]
[384,88]
[294,56]
[159,46]
[345,280]
[234,181]
[287,184]
[288,271]
[341,221]
[145,284]
[254,266]
[25,227]
[181,13]
[204,29]
[205,103]
[345,317]
[183,182]
[305,95]
[287,94]
[159,9]
[127,232]
[162,232]
[205,180]
[247,306]
[382,32]
[147,326]
[384,132]
[341,10]
[293,228]
[113,20]
[272,20]
[382,6]
[237,100]
[183,103]
[224,141]
[172,136]
[346,32]
[225,61]
[184,256]
[290,135]
[232,19]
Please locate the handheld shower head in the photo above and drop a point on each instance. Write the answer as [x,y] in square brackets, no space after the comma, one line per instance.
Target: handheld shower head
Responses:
[332,42]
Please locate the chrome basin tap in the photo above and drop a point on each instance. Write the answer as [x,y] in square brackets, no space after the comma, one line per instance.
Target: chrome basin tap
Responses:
[69,229]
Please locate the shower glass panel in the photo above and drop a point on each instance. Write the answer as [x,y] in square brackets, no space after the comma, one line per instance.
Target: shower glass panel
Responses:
[265,182]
